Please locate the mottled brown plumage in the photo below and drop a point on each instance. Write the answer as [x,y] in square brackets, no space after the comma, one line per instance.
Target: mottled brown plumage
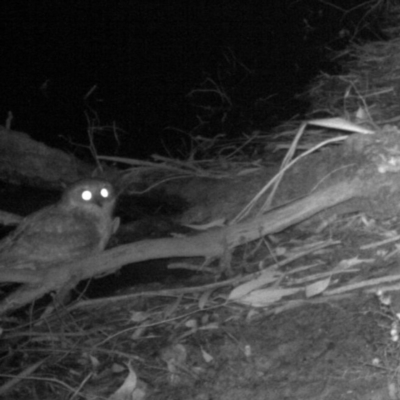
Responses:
[78,225]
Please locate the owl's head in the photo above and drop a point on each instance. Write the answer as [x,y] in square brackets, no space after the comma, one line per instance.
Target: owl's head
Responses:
[89,193]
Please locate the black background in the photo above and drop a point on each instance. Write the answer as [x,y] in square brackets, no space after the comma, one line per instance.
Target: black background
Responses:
[140,59]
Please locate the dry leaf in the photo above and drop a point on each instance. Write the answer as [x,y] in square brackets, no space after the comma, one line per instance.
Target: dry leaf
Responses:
[266,277]
[351,262]
[126,391]
[340,124]
[204,298]
[206,356]
[266,297]
[317,287]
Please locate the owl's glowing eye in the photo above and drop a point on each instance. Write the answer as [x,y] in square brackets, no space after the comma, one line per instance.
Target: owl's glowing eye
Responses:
[104,193]
[87,195]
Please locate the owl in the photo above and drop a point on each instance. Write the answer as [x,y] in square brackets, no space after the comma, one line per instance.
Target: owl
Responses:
[80,224]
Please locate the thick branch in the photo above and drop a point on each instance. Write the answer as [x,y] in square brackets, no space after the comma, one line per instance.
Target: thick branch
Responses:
[209,244]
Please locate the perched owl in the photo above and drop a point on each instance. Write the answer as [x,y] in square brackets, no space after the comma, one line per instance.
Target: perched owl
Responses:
[78,225]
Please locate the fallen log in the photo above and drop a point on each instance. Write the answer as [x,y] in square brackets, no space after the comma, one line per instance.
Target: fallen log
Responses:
[210,244]
[365,168]
[25,161]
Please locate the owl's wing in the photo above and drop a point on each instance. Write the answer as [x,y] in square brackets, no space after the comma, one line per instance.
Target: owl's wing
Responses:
[50,235]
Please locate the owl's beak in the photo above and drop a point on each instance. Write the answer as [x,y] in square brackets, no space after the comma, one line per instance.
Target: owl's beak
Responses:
[105,203]
[99,202]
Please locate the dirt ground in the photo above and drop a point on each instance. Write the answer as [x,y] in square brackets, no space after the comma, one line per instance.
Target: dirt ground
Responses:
[198,346]
[330,350]
[335,350]
[327,351]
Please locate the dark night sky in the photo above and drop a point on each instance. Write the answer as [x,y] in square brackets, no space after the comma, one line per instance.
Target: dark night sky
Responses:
[143,57]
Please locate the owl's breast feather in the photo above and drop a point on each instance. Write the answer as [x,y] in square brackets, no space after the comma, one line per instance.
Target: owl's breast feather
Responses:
[55,234]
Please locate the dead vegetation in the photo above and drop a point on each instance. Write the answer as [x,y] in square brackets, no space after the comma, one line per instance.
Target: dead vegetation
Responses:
[239,328]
